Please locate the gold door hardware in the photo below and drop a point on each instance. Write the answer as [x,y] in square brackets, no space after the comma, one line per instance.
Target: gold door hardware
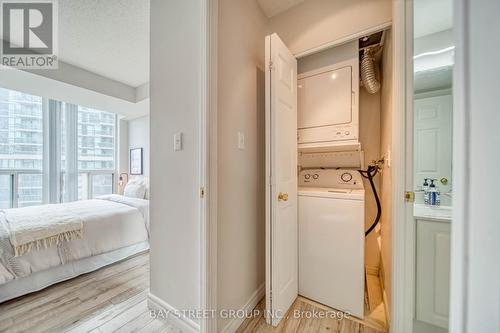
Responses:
[444,181]
[409,196]
[282,197]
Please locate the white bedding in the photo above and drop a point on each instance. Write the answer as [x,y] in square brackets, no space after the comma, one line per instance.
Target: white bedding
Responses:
[32,228]
[109,223]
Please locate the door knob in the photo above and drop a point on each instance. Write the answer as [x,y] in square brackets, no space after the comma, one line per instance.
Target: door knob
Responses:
[444,181]
[282,197]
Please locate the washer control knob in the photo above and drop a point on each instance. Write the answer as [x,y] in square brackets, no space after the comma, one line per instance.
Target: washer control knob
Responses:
[307,176]
[346,177]
[315,176]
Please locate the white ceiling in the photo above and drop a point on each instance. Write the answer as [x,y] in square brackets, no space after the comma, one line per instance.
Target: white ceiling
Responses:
[431,16]
[274,7]
[432,80]
[106,37]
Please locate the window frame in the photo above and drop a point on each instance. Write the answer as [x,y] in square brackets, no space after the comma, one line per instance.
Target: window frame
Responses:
[14,184]
[14,172]
[53,182]
[91,174]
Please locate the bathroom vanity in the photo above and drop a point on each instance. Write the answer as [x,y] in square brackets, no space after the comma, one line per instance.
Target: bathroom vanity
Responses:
[433,231]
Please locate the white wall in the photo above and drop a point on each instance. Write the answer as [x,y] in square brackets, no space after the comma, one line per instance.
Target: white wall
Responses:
[175,89]
[475,277]
[316,22]
[175,100]
[138,137]
[241,206]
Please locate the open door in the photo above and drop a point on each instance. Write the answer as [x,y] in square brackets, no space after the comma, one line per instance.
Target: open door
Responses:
[281,180]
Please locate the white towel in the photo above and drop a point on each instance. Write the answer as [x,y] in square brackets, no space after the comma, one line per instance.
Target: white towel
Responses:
[41,227]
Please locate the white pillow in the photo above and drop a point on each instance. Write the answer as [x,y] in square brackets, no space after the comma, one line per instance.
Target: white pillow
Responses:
[134,190]
[141,180]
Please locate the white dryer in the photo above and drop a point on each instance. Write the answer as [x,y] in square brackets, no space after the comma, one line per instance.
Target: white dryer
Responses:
[331,238]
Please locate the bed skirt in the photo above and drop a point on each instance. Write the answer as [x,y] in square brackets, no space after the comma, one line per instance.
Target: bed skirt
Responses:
[40,280]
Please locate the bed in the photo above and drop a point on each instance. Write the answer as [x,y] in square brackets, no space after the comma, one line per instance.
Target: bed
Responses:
[113,228]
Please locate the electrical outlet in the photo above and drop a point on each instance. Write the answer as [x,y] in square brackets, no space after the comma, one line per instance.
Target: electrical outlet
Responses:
[388,158]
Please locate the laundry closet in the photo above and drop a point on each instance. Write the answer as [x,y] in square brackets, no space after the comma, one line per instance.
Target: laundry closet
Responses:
[316,125]
[318,212]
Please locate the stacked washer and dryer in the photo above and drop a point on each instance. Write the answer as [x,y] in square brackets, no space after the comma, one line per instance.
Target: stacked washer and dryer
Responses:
[331,196]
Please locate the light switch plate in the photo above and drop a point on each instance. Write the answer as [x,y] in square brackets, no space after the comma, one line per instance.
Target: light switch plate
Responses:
[241,141]
[177,141]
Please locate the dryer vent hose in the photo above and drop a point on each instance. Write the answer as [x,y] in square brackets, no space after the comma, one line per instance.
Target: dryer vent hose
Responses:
[369,72]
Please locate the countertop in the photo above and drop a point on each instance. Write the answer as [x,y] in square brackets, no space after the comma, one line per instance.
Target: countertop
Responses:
[437,213]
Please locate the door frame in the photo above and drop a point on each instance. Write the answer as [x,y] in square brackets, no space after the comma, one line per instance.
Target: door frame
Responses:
[403,233]
[208,166]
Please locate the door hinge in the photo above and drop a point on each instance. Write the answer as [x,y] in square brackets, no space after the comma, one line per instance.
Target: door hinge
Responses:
[202,192]
[271,66]
[410,196]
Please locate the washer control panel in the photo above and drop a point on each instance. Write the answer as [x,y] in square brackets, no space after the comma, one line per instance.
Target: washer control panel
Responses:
[336,178]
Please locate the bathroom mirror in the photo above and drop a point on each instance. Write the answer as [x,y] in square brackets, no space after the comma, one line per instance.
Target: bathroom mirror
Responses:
[433,59]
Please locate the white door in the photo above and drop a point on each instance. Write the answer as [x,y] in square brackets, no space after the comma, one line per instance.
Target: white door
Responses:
[281,179]
[432,142]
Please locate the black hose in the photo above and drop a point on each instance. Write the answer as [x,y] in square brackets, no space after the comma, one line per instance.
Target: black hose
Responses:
[369,174]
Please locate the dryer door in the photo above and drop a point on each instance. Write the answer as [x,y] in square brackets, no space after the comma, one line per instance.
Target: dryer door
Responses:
[325,99]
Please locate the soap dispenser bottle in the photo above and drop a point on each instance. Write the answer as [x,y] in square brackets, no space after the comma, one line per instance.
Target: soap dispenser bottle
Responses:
[438,196]
[425,188]
[432,194]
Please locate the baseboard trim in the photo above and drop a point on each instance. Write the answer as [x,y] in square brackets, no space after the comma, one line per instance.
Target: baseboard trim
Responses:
[186,325]
[235,323]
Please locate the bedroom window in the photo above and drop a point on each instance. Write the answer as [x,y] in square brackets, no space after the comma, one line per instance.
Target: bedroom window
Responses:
[5,191]
[21,149]
[96,152]
[52,151]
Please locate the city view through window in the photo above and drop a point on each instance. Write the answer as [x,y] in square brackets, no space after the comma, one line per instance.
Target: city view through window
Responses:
[22,133]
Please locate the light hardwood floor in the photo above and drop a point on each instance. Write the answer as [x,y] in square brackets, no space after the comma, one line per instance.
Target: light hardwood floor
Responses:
[112,299]
[374,321]
[302,324]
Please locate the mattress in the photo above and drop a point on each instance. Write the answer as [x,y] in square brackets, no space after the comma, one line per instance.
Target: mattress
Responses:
[42,279]
[114,227]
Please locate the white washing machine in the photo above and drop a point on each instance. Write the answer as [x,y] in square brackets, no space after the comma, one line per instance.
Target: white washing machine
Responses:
[332,238]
